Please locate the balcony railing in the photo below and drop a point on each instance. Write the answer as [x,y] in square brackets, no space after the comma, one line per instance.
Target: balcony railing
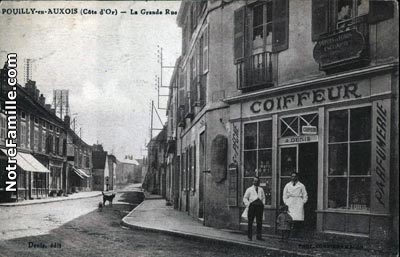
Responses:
[254,71]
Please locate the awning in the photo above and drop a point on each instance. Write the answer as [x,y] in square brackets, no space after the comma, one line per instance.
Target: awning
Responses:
[81,173]
[28,163]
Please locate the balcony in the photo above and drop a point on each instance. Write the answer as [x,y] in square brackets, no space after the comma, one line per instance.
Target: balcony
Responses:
[345,48]
[255,71]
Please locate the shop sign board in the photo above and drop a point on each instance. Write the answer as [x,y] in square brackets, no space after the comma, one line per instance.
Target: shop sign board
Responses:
[307,98]
[298,139]
[309,130]
[339,47]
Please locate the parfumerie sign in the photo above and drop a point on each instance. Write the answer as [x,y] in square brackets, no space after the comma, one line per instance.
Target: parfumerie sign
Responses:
[309,97]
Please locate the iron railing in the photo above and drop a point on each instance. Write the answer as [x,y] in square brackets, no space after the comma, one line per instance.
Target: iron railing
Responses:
[254,71]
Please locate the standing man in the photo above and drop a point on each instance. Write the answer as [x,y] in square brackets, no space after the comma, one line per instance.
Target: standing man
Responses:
[295,196]
[254,200]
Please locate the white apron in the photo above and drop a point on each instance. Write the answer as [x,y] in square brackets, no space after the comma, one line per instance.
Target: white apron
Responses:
[295,197]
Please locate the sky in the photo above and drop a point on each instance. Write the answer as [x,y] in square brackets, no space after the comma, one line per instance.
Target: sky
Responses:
[109,64]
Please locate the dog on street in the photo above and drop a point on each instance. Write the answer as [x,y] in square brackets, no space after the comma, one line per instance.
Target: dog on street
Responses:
[108,198]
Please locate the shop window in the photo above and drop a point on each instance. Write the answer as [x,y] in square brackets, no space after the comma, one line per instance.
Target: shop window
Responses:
[349,159]
[257,155]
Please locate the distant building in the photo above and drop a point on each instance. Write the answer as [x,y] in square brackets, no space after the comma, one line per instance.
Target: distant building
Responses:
[104,167]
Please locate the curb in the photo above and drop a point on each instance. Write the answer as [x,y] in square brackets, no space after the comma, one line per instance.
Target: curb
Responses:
[52,201]
[206,238]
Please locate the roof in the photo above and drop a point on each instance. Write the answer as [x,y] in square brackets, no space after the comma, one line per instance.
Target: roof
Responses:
[128,161]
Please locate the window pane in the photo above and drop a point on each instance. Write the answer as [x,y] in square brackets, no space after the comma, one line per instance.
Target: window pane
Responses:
[338,126]
[359,193]
[310,119]
[266,185]
[362,7]
[337,159]
[269,34]
[264,163]
[360,124]
[265,132]
[258,16]
[250,136]
[289,126]
[337,193]
[284,181]
[360,158]
[288,161]
[344,10]
[250,162]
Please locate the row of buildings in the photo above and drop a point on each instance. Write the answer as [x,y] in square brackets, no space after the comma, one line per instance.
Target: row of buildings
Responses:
[265,88]
[52,159]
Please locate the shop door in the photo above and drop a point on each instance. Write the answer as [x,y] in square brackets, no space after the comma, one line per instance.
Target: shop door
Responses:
[308,175]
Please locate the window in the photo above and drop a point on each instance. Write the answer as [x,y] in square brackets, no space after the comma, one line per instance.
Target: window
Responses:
[257,155]
[23,134]
[336,15]
[204,41]
[23,115]
[349,159]
[348,10]
[3,126]
[261,27]
[36,139]
[57,148]
[36,120]
[43,141]
[293,126]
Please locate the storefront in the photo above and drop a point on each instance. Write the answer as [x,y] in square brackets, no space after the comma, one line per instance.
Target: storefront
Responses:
[335,133]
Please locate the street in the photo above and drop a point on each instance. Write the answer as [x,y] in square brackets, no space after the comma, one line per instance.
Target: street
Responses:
[80,228]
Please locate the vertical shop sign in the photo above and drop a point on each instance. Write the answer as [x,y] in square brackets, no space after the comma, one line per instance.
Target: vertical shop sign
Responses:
[380,175]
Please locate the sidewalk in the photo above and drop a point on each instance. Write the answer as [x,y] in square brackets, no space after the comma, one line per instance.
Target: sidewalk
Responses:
[154,215]
[50,199]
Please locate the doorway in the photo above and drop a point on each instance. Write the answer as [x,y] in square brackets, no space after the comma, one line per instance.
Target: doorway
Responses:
[308,175]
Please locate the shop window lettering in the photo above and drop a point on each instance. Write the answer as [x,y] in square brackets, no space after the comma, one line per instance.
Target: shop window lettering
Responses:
[307,98]
[380,170]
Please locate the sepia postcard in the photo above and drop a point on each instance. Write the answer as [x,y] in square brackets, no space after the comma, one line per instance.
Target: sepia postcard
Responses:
[199,128]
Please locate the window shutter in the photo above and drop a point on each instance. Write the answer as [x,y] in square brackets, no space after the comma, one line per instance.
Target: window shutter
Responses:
[239,31]
[380,11]
[320,18]
[280,29]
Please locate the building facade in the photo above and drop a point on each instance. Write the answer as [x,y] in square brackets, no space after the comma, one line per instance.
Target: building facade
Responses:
[41,144]
[266,88]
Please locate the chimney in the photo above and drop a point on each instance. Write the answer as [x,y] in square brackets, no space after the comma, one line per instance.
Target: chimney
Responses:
[42,99]
[67,121]
[53,110]
[48,106]
[37,93]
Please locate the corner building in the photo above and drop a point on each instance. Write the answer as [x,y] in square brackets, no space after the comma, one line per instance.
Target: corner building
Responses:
[265,88]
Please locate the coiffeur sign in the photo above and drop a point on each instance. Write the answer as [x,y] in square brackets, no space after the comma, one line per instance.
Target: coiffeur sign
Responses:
[309,97]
